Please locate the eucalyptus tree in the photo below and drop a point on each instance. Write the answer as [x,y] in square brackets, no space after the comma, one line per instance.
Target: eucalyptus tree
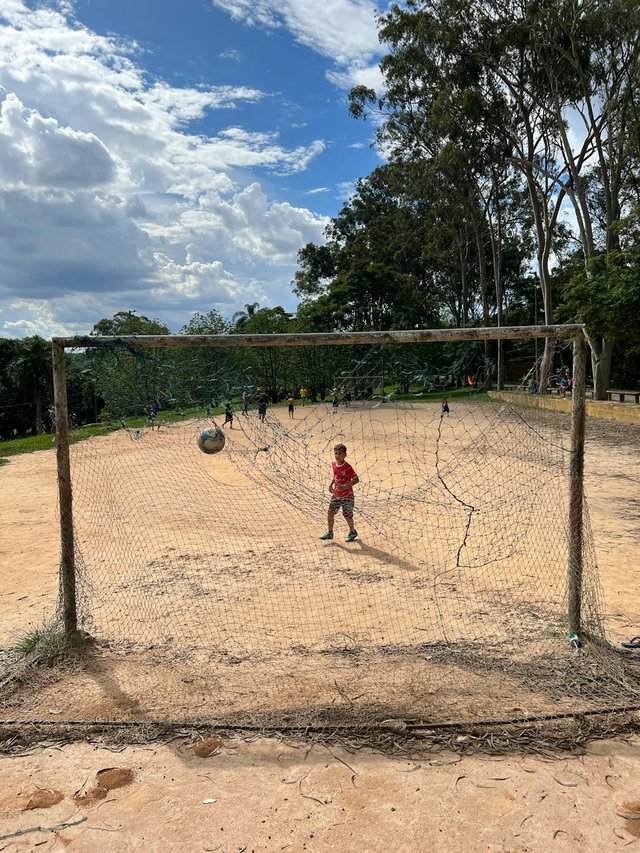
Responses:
[426,115]
[569,72]
[469,75]
[608,299]
[445,104]
[589,53]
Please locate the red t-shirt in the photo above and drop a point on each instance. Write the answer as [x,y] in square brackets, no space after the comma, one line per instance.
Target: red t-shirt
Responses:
[342,474]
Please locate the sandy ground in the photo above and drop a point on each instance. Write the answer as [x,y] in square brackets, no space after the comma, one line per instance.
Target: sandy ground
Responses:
[268,796]
[272,796]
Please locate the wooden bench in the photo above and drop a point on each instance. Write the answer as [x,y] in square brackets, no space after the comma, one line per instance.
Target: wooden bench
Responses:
[621,396]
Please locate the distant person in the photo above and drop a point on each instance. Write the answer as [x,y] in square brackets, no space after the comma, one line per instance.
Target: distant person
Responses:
[245,402]
[445,407]
[154,408]
[564,386]
[228,414]
[335,399]
[262,409]
[303,395]
[290,404]
[341,488]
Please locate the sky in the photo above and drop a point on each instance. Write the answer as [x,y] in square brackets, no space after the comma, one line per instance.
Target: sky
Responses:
[172,156]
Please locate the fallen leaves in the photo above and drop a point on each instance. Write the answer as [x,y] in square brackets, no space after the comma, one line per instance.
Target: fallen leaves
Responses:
[43,799]
[114,777]
[108,779]
[207,747]
[630,812]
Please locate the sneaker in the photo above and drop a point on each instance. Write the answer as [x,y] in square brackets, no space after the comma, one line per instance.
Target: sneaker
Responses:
[351,535]
[327,535]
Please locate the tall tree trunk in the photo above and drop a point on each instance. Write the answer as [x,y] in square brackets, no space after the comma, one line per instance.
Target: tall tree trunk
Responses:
[544,234]
[482,270]
[463,250]
[39,424]
[601,367]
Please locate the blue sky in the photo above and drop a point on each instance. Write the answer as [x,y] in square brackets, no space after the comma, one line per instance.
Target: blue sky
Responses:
[171,156]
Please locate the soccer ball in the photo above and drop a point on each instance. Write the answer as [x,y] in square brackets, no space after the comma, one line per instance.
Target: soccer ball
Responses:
[211,440]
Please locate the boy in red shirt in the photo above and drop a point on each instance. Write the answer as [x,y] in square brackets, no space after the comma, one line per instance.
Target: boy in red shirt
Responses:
[341,488]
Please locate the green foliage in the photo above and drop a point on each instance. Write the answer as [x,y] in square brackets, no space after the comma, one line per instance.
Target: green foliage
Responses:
[129,323]
[241,318]
[476,104]
[270,369]
[373,272]
[128,378]
[211,323]
[607,297]
[200,376]
[26,390]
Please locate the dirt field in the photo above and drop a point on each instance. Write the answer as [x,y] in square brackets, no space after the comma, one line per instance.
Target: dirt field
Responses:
[270,795]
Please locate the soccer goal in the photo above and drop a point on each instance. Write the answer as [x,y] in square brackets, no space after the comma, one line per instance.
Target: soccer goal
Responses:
[358,386]
[469,594]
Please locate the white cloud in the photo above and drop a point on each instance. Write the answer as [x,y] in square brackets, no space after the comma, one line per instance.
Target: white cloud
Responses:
[357,74]
[194,279]
[318,190]
[260,231]
[109,202]
[233,55]
[37,152]
[235,146]
[33,317]
[188,104]
[344,31]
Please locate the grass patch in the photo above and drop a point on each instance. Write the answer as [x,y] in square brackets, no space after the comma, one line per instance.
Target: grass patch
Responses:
[46,441]
[51,645]
[30,443]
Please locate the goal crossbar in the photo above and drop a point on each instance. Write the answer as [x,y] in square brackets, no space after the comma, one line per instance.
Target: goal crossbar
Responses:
[410,336]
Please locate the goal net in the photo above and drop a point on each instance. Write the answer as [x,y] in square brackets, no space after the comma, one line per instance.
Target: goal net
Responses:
[211,597]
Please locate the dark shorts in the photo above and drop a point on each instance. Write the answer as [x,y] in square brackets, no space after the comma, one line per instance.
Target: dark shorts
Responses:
[344,504]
